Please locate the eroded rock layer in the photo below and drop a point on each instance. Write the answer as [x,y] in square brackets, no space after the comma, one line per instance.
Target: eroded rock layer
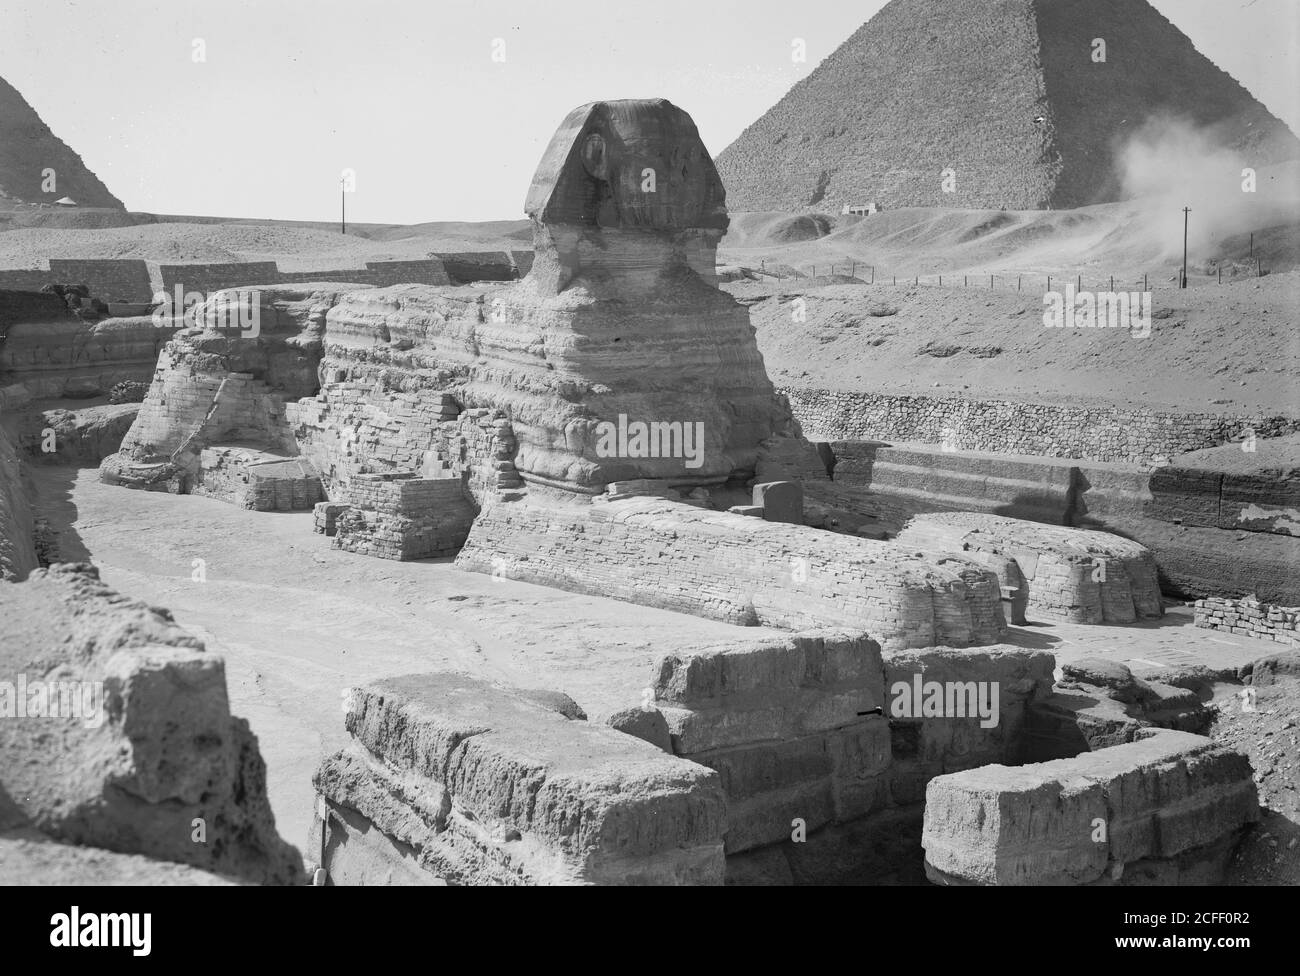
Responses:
[1165,809]
[452,780]
[1076,574]
[743,570]
[117,733]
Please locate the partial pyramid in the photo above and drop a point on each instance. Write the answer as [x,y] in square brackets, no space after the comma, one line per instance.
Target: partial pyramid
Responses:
[1004,93]
[28,148]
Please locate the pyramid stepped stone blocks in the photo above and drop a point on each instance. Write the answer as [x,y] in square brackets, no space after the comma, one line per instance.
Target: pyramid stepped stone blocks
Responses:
[1006,94]
[1164,809]
[451,780]
[1075,574]
[29,148]
[152,748]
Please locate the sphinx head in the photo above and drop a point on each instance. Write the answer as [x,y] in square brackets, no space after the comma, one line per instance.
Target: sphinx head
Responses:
[625,185]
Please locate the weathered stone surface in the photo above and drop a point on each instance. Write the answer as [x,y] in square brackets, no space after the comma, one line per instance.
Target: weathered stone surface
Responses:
[1000,88]
[154,746]
[781,501]
[1113,676]
[768,690]
[556,701]
[82,437]
[32,860]
[1076,574]
[17,525]
[987,694]
[742,570]
[1081,820]
[216,385]
[478,785]
[644,723]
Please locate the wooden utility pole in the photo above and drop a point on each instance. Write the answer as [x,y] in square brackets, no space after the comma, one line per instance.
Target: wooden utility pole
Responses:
[1187,211]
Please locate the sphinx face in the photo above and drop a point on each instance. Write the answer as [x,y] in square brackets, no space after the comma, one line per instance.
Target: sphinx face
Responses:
[637,164]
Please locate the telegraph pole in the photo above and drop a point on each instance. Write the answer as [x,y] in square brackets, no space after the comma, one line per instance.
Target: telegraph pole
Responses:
[1186,217]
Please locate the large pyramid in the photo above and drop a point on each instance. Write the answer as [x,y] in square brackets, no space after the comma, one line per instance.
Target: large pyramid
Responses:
[28,148]
[1004,92]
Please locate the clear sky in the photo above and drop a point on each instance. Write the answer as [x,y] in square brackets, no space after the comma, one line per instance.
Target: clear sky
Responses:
[408,94]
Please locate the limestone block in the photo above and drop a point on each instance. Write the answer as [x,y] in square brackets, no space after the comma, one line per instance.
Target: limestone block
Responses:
[781,501]
[1080,820]
[1079,575]
[479,785]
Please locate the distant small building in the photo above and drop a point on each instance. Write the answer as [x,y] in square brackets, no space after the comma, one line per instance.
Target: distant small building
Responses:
[860,210]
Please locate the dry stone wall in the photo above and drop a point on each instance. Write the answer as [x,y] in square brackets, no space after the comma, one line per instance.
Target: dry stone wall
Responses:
[1134,435]
[1250,618]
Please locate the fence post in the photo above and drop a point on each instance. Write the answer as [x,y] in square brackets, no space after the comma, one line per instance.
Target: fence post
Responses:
[1078,286]
[1112,284]
[990,282]
[940,281]
[1049,282]
[965,280]
[1018,281]
[1144,282]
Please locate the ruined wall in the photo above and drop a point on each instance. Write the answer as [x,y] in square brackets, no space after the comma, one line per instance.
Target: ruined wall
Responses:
[256,480]
[935,479]
[69,357]
[806,727]
[466,266]
[1074,574]
[402,518]
[209,278]
[110,279]
[1250,618]
[742,570]
[1134,435]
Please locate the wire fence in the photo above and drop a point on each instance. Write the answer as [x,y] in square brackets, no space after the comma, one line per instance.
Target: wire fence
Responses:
[869,274]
